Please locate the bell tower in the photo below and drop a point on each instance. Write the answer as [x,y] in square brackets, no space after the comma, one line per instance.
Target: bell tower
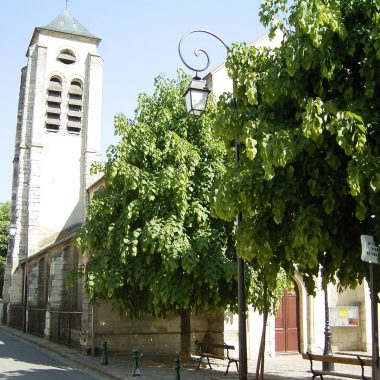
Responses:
[57,140]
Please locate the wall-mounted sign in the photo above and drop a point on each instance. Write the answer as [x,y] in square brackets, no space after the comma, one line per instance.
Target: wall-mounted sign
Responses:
[344,316]
[370,251]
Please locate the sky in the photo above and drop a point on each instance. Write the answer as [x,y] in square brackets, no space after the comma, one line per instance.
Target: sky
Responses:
[139,42]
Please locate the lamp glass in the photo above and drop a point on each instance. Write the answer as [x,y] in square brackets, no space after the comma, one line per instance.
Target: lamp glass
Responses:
[12,230]
[196,97]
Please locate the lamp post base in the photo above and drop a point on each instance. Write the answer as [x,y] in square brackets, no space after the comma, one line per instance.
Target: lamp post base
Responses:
[326,366]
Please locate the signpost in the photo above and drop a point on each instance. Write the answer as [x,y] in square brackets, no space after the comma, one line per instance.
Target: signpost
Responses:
[370,254]
[370,251]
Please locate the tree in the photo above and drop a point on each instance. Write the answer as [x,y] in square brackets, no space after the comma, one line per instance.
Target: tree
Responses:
[153,246]
[5,209]
[307,116]
[266,300]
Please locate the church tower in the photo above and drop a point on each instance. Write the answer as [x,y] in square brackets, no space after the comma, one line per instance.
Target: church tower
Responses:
[57,140]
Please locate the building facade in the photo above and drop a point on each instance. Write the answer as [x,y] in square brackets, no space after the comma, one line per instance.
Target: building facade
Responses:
[299,325]
[57,140]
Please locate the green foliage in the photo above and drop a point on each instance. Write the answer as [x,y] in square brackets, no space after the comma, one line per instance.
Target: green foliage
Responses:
[267,300]
[307,117]
[153,246]
[5,209]
[2,267]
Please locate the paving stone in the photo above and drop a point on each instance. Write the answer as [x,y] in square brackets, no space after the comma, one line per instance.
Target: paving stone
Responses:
[289,366]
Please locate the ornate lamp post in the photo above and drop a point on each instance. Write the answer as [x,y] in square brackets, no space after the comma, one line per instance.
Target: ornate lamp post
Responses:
[196,101]
[327,366]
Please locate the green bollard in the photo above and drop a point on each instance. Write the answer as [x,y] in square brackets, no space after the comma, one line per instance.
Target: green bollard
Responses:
[177,367]
[136,370]
[104,354]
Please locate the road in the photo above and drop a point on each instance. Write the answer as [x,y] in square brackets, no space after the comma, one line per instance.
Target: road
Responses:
[22,359]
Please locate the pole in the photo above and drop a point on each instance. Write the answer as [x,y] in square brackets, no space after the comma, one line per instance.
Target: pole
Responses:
[243,370]
[104,360]
[136,370]
[374,321]
[326,366]
[177,368]
[240,262]
[25,299]
[92,329]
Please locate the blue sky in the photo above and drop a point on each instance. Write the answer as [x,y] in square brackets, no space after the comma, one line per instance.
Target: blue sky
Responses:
[139,41]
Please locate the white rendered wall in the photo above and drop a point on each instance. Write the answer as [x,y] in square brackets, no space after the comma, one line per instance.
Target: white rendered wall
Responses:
[58,159]
[218,80]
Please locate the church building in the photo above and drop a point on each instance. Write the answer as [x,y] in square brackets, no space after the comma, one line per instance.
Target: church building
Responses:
[58,137]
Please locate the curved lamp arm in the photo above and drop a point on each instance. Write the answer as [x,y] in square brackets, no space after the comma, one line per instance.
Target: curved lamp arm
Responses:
[197,52]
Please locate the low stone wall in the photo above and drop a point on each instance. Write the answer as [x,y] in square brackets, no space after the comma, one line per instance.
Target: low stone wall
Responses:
[150,335]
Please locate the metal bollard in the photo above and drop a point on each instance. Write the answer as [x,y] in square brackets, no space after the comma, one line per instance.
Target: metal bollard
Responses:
[177,368]
[136,370]
[104,354]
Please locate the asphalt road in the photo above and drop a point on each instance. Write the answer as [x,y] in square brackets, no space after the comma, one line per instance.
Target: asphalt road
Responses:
[21,359]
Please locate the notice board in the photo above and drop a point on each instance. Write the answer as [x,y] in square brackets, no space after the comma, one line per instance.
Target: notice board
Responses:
[344,316]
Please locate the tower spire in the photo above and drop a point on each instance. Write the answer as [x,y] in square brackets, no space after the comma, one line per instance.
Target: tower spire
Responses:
[67,1]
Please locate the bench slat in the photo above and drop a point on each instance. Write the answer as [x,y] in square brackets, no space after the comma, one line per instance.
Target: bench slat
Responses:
[211,355]
[362,362]
[338,359]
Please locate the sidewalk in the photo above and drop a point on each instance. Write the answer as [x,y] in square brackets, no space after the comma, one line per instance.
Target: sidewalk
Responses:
[281,367]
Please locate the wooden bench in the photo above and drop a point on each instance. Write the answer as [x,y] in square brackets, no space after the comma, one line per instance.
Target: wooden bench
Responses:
[209,351]
[353,360]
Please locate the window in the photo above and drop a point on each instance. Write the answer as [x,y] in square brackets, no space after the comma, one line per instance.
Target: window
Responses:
[75,107]
[53,106]
[67,57]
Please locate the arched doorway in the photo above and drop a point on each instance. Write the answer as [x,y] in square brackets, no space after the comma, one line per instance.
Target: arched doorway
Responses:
[287,336]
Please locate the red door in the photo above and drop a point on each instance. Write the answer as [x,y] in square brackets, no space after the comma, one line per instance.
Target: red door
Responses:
[287,323]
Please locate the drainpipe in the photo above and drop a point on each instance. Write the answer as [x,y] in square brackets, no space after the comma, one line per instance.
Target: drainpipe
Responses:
[92,330]
[25,298]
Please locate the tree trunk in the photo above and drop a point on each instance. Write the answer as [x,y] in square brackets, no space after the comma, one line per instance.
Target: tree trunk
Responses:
[261,355]
[185,336]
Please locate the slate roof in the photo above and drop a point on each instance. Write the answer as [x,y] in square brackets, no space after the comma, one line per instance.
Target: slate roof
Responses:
[66,23]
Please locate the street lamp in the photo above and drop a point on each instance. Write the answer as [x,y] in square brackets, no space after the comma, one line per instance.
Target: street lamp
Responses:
[327,366]
[197,92]
[12,230]
[196,101]
[196,96]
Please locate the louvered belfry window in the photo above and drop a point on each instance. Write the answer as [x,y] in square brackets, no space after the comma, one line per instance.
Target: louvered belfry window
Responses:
[67,57]
[75,107]
[53,109]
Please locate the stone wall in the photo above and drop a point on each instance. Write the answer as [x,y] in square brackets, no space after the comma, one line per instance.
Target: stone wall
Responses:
[349,337]
[150,335]
[33,284]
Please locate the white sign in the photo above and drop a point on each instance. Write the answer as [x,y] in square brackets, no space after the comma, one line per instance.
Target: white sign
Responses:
[370,251]
[344,316]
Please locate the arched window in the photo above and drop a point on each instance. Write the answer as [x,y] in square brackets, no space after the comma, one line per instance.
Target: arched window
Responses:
[67,57]
[75,107]
[53,104]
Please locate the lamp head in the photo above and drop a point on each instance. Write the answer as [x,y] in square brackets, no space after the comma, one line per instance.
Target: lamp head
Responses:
[196,96]
[12,229]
